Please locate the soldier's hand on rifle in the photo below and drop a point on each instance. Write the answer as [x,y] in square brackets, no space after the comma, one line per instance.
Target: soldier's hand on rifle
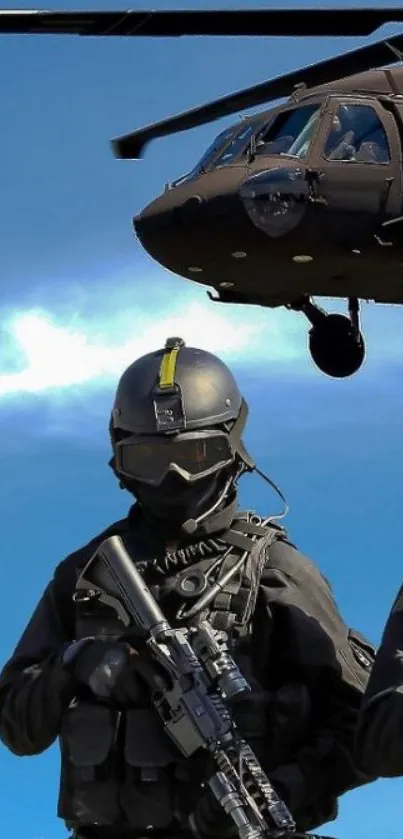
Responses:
[113,669]
[211,820]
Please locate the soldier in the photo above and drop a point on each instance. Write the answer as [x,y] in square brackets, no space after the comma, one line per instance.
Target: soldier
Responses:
[176,429]
[380,729]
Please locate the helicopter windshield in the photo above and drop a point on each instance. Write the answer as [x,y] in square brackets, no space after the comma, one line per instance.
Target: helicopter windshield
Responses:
[225,149]
[218,144]
[291,133]
[239,142]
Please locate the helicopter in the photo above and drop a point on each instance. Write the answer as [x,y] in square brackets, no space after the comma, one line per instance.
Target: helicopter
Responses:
[300,201]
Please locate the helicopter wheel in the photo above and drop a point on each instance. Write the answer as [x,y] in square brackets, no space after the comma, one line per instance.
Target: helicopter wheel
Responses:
[336,347]
[336,344]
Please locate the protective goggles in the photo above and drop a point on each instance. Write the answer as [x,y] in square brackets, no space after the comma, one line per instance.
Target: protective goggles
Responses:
[193,455]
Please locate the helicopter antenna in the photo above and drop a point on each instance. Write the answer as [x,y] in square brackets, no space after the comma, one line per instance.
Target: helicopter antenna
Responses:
[298,90]
[395,50]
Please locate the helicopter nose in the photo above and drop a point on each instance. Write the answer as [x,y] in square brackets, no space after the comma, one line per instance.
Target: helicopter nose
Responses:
[190,225]
[168,227]
[164,216]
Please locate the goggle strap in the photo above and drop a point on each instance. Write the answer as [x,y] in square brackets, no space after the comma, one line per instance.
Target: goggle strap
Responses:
[235,436]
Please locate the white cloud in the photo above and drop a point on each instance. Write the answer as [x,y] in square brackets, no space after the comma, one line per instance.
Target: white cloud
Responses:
[57,353]
[65,347]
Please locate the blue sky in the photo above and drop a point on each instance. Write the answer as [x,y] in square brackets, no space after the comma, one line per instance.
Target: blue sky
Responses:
[79,300]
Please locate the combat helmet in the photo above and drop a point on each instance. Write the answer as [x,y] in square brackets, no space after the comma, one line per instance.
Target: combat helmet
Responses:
[177,409]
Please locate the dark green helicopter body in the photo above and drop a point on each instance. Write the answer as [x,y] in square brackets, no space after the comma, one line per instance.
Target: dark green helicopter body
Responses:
[266,229]
[276,229]
[300,201]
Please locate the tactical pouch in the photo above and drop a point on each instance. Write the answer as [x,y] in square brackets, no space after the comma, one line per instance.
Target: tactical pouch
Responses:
[147,792]
[87,740]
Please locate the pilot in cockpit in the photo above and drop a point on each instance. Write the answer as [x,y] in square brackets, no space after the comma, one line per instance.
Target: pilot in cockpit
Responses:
[357,135]
[339,144]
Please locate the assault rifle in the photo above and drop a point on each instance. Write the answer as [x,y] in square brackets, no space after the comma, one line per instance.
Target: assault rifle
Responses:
[195,706]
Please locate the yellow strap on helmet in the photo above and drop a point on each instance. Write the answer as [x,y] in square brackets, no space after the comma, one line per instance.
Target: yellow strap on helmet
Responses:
[168,363]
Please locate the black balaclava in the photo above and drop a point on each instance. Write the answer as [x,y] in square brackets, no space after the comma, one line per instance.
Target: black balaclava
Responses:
[175,501]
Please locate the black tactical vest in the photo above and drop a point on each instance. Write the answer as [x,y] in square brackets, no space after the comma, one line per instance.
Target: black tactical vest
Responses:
[118,767]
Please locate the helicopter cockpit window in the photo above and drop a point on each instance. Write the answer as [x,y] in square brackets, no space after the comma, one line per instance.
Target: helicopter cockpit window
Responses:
[357,135]
[218,144]
[239,142]
[291,133]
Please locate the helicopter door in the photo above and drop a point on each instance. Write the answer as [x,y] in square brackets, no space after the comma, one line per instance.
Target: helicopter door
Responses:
[357,157]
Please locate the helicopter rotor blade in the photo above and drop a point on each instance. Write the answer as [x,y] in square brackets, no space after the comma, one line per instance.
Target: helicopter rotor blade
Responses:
[176,23]
[131,146]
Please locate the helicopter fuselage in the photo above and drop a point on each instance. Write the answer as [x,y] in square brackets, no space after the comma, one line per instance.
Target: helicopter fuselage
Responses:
[321,216]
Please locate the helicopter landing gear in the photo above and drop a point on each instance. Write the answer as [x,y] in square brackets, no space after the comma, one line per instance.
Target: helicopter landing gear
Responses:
[336,344]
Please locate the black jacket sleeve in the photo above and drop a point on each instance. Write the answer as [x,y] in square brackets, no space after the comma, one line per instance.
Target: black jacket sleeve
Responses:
[311,644]
[34,689]
[379,744]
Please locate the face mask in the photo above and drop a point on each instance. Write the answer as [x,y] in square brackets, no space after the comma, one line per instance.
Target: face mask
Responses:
[175,501]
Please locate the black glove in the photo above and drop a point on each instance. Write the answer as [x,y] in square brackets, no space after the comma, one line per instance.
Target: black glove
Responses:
[210,819]
[113,670]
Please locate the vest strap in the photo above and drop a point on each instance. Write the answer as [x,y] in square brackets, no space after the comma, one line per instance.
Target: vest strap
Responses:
[233,607]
